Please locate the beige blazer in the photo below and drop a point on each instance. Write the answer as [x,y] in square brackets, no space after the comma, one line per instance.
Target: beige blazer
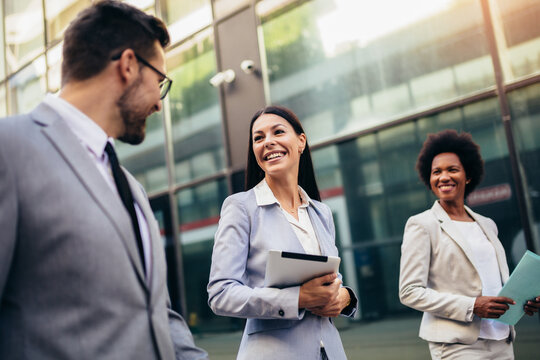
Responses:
[438,277]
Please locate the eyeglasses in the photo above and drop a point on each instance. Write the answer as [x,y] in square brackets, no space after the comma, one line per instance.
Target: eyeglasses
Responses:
[164,85]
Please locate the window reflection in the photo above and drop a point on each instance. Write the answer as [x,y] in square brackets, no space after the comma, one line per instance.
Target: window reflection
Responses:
[23,42]
[54,62]
[59,13]
[325,161]
[184,18]
[519,38]
[2,52]
[3,102]
[195,111]
[349,65]
[145,5]
[330,183]
[146,161]
[223,8]
[525,107]
[27,88]
[198,209]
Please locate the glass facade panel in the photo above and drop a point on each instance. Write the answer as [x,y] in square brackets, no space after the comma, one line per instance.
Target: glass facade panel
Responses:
[59,14]
[23,42]
[198,208]
[145,5]
[2,47]
[3,102]
[54,62]
[372,187]
[195,111]
[161,207]
[28,87]
[330,183]
[184,18]
[518,29]
[146,161]
[525,106]
[223,8]
[344,66]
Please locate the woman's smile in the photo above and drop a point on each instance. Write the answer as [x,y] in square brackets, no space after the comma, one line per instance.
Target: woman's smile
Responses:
[276,145]
[274,156]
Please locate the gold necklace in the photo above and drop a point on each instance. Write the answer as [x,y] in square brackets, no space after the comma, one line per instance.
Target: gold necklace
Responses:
[294,209]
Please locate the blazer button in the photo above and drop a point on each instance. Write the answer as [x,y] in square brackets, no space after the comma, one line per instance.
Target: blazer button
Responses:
[281,312]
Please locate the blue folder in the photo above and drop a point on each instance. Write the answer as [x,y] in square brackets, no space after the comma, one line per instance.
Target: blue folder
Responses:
[522,286]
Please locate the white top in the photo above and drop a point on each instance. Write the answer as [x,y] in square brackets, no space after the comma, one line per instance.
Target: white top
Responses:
[302,227]
[485,261]
[94,139]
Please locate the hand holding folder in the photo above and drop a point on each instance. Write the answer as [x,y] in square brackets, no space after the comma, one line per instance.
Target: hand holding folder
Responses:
[522,286]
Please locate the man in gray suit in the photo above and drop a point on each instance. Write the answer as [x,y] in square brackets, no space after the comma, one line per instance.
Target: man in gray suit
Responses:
[82,268]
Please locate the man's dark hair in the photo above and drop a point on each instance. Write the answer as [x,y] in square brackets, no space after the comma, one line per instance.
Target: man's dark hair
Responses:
[449,141]
[103,30]
[306,174]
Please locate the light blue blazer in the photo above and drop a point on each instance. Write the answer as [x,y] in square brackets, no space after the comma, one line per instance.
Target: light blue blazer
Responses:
[275,328]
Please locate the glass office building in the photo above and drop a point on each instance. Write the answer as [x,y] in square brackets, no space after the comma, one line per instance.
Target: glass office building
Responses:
[368,80]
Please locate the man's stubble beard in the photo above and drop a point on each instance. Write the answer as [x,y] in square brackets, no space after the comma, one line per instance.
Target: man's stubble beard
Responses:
[133,117]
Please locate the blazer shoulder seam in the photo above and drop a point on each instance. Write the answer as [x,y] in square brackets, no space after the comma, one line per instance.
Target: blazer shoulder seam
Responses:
[239,200]
[425,220]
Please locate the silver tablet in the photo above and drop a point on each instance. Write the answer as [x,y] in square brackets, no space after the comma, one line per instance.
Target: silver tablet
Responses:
[284,269]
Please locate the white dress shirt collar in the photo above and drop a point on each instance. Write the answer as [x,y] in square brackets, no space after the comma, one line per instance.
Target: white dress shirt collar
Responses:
[302,227]
[87,131]
[265,196]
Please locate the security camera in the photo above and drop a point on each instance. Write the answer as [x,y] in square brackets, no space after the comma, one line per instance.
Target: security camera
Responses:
[226,76]
[247,66]
[217,79]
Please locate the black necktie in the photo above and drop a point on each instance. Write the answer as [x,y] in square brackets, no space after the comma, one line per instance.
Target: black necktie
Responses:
[126,196]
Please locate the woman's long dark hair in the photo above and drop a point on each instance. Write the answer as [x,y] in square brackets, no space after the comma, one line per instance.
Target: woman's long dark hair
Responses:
[306,175]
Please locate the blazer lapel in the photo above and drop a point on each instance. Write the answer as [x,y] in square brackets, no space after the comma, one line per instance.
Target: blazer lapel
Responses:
[277,223]
[142,201]
[71,150]
[449,228]
[322,235]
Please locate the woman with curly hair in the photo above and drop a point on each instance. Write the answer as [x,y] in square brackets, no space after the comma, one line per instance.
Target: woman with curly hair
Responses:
[452,263]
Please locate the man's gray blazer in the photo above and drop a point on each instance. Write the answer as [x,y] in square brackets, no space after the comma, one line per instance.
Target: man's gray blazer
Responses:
[71,281]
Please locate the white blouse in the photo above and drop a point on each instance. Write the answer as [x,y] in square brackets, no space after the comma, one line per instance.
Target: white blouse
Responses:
[485,261]
[303,228]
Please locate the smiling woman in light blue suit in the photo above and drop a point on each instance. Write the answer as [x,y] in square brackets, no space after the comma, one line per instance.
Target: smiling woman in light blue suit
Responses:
[281,210]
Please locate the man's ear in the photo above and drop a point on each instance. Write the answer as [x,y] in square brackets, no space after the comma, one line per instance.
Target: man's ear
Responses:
[128,66]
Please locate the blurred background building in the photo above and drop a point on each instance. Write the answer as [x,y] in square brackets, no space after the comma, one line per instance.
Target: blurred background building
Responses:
[368,79]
